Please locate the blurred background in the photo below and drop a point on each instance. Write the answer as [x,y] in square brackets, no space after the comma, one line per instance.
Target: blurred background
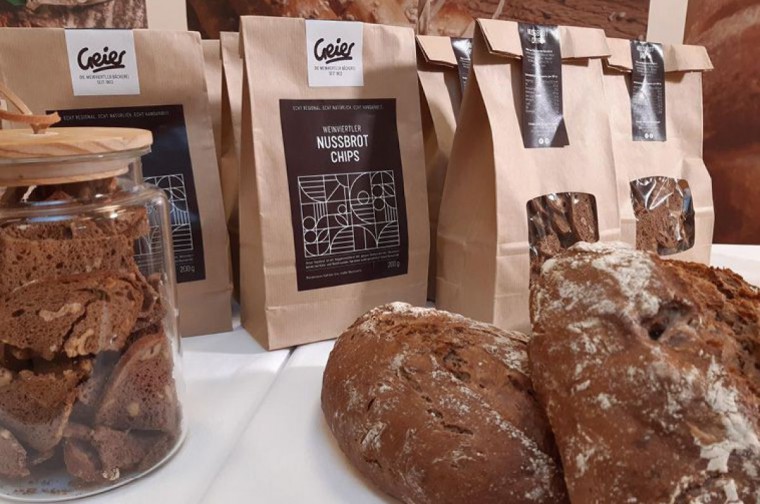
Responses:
[730,29]
[623,18]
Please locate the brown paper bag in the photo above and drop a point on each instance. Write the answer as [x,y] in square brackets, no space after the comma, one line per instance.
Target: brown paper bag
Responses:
[333,207]
[153,80]
[229,163]
[441,88]
[507,207]
[212,65]
[665,198]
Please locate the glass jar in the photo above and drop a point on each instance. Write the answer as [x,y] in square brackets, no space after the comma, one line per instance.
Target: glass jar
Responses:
[90,380]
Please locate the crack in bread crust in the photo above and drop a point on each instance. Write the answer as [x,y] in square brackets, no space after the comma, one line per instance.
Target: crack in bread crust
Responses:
[651,378]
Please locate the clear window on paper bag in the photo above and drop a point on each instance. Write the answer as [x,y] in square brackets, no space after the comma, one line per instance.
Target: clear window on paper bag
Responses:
[557,221]
[664,212]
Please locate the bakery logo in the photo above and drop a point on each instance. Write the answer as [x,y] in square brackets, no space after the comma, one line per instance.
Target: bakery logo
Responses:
[97,62]
[334,53]
[537,35]
[645,53]
[102,62]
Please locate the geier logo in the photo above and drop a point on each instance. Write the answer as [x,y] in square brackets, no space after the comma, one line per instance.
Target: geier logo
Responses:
[537,35]
[334,53]
[645,53]
[331,53]
[100,62]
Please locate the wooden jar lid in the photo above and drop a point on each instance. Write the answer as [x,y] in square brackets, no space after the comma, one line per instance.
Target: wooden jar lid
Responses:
[51,157]
[63,142]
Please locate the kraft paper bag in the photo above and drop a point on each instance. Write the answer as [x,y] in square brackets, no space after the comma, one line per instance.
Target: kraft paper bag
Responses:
[527,177]
[441,86]
[229,162]
[333,203]
[654,94]
[152,80]
[212,65]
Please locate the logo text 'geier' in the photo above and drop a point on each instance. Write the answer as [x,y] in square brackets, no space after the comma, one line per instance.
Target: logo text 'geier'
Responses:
[108,60]
[339,51]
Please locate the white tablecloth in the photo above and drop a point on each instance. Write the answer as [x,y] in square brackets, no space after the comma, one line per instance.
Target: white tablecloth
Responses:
[287,454]
[256,432]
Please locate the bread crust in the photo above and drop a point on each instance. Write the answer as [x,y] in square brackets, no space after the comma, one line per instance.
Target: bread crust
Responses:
[436,408]
[650,374]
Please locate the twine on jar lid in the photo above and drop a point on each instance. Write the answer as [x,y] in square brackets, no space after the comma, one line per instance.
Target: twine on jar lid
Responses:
[63,155]
[38,123]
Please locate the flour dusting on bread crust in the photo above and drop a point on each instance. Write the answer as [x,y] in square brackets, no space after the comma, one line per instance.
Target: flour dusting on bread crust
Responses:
[436,408]
[650,374]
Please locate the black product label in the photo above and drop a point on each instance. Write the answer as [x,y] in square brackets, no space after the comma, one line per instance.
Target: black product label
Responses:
[463,53]
[648,92]
[346,190]
[168,167]
[543,122]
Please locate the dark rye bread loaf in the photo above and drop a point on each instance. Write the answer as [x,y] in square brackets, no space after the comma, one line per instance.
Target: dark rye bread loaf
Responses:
[141,393]
[78,315]
[650,374]
[436,408]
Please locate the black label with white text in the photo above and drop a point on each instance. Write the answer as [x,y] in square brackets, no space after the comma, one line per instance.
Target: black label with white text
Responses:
[543,120]
[463,54]
[647,92]
[346,190]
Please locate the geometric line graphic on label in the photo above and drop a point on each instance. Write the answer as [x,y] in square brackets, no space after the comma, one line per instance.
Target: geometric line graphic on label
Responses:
[348,212]
[179,215]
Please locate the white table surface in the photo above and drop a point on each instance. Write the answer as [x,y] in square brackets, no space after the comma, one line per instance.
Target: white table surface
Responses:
[287,454]
[256,431]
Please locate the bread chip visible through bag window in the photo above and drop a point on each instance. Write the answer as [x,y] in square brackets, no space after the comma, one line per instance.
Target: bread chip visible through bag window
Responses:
[557,221]
[664,211]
